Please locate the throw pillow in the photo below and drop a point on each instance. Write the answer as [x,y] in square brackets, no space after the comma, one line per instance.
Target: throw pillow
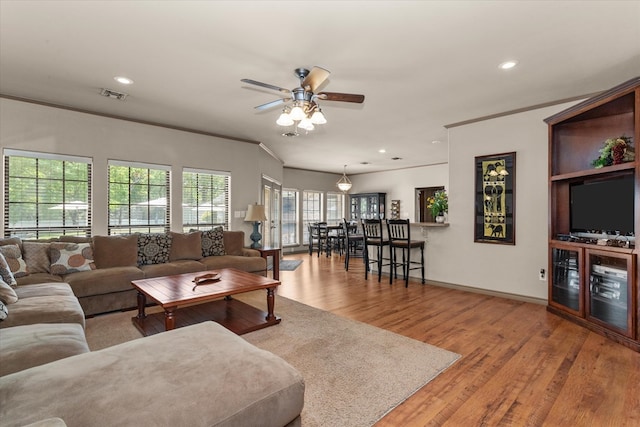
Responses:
[213,242]
[115,251]
[71,257]
[186,246]
[153,248]
[5,272]
[14,259]
[4,311]
[7,294]
[36,255]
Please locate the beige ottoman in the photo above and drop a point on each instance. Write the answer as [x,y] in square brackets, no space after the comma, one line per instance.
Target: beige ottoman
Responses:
[200,375]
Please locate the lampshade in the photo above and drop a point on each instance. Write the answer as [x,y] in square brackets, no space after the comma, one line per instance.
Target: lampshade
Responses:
[344,184]
[306,124]
[255,213]
[318,118]
[297,113]
[284,119]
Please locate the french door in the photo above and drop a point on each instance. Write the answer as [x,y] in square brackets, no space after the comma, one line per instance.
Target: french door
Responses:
[272,199]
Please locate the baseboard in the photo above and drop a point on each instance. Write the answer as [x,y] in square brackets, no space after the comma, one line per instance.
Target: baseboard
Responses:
[499,294]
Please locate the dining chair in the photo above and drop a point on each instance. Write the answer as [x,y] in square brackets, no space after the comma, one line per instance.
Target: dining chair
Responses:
[324,240]
[399,231]
[314,238]
[354,242]
[374,238]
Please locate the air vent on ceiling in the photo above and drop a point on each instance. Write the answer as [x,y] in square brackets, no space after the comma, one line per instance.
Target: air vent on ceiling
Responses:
[113,94]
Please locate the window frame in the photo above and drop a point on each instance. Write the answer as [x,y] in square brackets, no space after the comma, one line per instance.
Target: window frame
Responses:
[317,212]
[131,208]
[294,214]
[197,225]
[42,192]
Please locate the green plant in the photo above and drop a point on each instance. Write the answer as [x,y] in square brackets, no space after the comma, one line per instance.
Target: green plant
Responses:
[438,203]
[615,151]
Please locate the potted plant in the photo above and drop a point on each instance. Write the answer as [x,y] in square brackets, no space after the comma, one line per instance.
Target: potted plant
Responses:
[439,205]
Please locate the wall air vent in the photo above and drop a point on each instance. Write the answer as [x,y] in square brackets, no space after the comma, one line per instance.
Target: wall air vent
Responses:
[113,94]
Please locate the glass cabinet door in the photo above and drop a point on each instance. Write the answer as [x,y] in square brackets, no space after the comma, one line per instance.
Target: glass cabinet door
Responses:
[609,297]
[566,283]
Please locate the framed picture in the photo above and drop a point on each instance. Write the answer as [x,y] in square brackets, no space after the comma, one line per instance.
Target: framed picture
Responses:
[495,213]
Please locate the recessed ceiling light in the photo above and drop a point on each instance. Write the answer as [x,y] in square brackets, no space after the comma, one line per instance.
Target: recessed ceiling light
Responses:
[123,80]
[507,65]
[382,150]
[435,141]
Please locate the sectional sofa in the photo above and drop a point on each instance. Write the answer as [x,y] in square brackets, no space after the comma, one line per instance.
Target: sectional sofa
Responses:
[200,375]
[100,269]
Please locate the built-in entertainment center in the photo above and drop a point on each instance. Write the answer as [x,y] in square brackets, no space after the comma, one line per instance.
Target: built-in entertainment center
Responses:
[594,213]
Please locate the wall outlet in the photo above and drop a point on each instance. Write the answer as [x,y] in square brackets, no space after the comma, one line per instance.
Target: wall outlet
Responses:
[542,275]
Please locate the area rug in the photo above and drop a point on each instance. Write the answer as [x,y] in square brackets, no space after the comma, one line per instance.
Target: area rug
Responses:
[354,373]
[285,264]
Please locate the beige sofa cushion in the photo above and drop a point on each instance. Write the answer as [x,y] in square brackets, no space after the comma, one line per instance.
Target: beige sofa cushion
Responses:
[172,268]
[103,281]
[200,375]
[244,263]
[233,242]
[44,303]
[115,251]
[27,346]
[186,246]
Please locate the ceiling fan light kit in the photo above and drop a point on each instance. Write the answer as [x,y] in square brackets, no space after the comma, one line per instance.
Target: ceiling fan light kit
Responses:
[305,113]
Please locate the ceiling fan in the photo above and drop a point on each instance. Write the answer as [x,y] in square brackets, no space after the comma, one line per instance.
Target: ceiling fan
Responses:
[305,111]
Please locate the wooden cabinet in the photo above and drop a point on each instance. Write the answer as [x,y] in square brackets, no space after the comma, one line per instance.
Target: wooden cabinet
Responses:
[367,206]
[593,276]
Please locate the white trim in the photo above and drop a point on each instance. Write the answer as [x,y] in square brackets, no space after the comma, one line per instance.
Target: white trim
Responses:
[48,156]
[205,171]
[138,165]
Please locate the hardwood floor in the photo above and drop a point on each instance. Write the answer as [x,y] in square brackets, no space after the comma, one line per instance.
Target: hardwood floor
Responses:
[520,365]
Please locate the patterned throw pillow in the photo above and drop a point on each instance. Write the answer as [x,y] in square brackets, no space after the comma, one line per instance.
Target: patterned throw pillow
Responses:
[5,272]
[13,256]
[213,242]
[153,248]
[36,255]
[71,257]
[7,294]
[4,311]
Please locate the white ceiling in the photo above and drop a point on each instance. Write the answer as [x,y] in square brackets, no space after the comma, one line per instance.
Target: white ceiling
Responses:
[421,65]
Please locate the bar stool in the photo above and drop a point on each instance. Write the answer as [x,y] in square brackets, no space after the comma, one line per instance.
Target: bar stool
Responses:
[373,237]
[354,243]
[400,238]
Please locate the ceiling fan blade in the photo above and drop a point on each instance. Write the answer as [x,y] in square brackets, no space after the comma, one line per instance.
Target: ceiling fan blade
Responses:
[315,78]
[344,97]
[268,86]
[271,104]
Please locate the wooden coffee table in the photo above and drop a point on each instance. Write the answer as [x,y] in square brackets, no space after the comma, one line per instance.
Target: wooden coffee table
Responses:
[207,301]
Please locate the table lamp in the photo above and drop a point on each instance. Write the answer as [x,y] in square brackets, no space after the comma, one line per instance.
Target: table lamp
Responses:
[255,214]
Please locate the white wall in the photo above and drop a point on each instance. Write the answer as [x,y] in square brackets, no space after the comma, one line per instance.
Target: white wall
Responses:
[33,127]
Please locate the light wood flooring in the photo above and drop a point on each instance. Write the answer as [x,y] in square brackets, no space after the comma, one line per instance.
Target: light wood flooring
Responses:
[520,365]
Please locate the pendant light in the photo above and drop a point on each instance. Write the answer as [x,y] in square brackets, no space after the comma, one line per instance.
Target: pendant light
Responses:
[344,184]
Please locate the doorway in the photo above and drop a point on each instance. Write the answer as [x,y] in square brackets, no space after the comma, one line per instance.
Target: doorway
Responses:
[272,199]
[423,214]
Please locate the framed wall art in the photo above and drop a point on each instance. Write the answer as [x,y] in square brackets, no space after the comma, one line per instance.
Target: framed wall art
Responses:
[495,196]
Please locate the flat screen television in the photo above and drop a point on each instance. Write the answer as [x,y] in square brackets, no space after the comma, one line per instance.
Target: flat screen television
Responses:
[603,206]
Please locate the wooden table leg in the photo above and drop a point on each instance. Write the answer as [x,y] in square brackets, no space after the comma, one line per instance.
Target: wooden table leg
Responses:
[169,319]
[142,302]
[270,304]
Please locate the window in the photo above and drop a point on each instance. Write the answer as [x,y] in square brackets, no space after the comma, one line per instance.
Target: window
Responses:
[311,211]
[46,195]
[205,199]
[290,217]
[335,208]
[138,198]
